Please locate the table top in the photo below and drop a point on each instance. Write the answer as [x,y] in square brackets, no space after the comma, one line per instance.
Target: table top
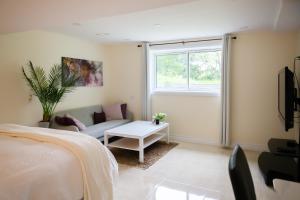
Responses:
[137,129]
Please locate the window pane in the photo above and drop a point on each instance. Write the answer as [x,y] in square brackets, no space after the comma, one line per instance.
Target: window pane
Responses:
[205,70]
[171,71]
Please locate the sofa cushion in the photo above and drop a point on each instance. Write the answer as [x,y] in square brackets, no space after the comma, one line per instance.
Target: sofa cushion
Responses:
[84,114]
[99,117]
[78,123]
[97,130]
[123,110]
[113,112]
[64,121]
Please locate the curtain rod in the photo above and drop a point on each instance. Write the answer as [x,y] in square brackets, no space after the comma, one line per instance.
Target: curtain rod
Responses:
[184,42]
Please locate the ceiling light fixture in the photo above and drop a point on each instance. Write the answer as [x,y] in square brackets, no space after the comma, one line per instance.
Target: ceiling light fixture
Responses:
[244,28]
[103,34]
[76,24]
[157,25]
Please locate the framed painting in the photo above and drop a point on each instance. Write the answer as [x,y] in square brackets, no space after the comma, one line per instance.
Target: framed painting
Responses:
[90,73]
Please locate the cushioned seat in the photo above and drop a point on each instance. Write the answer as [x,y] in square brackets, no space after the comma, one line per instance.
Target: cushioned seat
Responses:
[97,130]
[85,115]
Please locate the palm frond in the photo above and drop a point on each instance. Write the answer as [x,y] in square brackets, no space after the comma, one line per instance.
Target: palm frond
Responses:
[49,90]
[37,75]
[55,76]
[31,83]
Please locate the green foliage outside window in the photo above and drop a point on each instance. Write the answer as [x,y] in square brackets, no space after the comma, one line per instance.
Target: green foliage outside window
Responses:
[203,68]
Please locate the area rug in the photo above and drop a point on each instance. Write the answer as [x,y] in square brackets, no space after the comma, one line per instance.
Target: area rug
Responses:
[151,154]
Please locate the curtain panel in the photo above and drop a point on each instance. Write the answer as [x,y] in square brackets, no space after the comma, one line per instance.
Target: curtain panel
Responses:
[146,105]
[225,91]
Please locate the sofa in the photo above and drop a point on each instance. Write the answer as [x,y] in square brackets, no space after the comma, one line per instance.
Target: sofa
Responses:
[85,115]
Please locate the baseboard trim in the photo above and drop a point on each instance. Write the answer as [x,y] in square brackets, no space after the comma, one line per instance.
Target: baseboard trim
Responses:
[189,139]
[179,138]
[252,147]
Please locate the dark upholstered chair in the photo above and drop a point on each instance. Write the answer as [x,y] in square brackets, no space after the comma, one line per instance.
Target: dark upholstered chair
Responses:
[240,175]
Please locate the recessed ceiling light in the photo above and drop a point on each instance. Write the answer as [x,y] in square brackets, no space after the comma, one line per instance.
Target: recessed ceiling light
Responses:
[102,34]
[76,24]
[157,25]
[244,28]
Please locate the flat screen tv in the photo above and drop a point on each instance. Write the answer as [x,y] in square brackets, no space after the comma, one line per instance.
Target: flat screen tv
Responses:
[286,97]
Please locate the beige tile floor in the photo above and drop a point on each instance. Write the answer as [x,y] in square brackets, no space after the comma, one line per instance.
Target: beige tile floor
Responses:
[187,172]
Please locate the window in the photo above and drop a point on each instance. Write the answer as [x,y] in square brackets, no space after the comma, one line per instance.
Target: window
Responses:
[171,70]
[188,70]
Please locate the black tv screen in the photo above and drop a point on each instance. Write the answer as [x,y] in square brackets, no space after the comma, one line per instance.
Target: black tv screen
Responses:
[286,97]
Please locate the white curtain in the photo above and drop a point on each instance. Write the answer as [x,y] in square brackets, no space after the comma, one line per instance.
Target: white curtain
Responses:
[225,91]
[146,106]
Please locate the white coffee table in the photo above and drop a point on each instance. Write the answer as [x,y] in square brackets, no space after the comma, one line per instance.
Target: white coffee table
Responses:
[137,136]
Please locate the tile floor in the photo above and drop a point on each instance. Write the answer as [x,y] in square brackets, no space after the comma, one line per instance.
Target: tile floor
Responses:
[187,172]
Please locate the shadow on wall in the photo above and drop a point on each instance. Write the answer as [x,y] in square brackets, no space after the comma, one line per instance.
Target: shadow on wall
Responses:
[15,94]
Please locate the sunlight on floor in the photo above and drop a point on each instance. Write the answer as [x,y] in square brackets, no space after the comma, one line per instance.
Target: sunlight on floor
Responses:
[163,193]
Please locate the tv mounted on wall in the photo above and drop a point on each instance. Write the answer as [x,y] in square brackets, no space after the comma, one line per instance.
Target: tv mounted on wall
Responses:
[286,97]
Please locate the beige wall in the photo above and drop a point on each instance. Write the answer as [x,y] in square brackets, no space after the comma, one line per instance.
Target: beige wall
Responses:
[191,118]
[124,67]
[44,49]
[195,118]
[256,60]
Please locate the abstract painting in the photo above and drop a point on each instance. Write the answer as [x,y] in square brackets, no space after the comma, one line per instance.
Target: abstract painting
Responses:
[90,73]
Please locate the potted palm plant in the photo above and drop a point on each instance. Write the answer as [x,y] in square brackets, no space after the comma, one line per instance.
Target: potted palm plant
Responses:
[49,90]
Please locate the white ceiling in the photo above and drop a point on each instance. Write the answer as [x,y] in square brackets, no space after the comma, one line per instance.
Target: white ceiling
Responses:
[22,15]
[155,20]
[288,16]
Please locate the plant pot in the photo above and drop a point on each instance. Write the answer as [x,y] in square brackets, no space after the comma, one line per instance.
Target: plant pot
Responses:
[44,124]
[157,121]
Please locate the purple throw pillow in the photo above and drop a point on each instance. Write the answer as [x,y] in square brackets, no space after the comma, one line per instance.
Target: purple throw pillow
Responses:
[99,117]
[124,110]
[78,123]
[64,121]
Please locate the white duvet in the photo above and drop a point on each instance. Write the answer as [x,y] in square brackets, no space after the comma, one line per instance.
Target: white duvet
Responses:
[37,163]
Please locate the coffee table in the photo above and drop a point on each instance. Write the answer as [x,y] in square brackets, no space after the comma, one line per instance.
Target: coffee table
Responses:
[137,136]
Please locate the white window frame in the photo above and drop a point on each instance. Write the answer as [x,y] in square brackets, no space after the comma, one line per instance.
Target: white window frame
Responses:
[179,91]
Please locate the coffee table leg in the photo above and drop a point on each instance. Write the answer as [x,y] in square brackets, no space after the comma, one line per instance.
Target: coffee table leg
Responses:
[105,139]
[168,135]
[141,150]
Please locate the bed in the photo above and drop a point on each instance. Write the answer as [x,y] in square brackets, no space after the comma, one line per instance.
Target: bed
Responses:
[38,163]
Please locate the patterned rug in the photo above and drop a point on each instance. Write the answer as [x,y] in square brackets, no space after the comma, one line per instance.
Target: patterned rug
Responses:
[151,154]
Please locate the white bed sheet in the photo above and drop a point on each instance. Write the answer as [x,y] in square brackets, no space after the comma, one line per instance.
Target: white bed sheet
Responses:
[33,170]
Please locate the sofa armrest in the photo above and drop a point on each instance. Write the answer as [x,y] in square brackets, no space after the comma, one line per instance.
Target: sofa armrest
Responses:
[68,128]
[54,125]
[129,115]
